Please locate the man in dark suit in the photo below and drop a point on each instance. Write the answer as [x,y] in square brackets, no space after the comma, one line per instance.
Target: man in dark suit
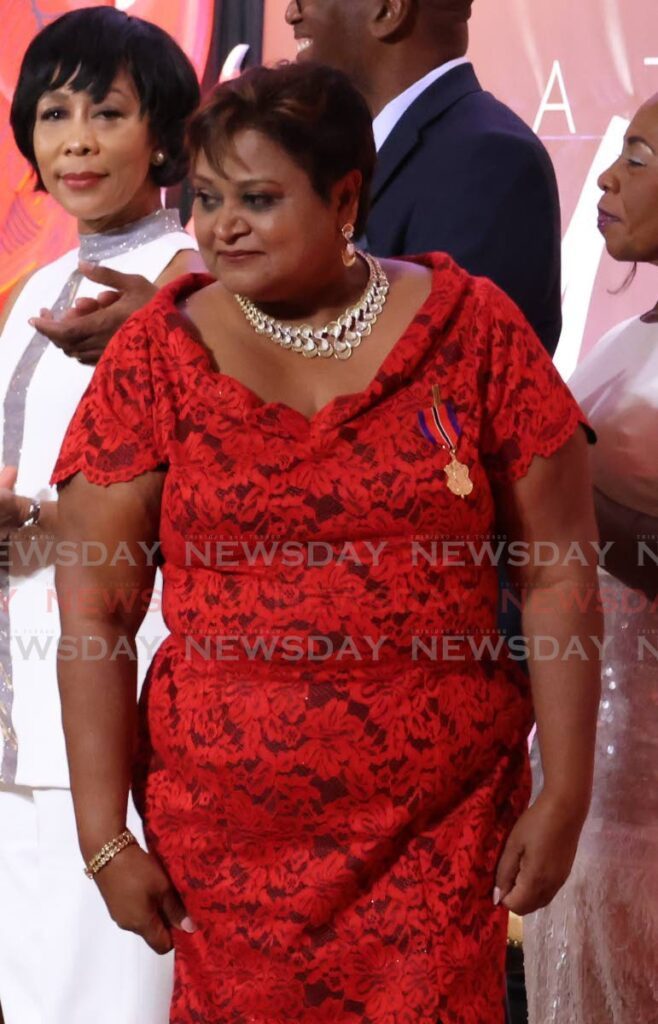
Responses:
[458,171]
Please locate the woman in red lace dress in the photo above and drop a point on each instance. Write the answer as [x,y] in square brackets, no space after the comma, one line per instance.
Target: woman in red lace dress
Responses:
[332,742]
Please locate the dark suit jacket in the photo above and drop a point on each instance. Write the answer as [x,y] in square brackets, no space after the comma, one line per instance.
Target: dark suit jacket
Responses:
[461,173]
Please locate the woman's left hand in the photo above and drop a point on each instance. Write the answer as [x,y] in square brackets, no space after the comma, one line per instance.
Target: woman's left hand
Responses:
[84,330]
[539,853]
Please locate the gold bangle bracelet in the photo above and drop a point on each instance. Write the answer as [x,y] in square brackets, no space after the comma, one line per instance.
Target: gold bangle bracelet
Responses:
[109,852]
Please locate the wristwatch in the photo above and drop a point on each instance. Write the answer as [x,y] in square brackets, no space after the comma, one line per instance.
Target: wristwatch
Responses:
[33,513]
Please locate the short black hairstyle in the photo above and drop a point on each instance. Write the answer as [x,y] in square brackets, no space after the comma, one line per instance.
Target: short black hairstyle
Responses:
[313,112]
[88,48]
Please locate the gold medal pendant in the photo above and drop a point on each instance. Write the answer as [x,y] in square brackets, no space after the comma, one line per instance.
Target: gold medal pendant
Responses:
[459,481]
[439,425]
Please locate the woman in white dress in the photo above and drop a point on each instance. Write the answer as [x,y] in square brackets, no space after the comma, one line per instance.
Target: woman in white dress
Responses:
[591,955]
[99,112]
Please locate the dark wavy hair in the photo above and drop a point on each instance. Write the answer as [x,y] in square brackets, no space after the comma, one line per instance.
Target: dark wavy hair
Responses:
[313,112]
[87,49]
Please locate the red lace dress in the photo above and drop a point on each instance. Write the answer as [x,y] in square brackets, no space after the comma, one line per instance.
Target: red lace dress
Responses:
[328,770]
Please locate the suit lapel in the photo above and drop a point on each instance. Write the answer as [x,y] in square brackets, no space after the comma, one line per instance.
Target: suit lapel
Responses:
[429,106]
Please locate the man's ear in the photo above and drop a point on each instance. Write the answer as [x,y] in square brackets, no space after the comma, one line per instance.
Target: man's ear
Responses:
[392,17]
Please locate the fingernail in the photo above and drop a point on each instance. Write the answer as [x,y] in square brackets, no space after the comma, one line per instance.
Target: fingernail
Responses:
[497,896]
[32,321]
[188,925]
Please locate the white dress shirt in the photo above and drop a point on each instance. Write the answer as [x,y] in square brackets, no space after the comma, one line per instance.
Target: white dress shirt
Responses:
[387,118]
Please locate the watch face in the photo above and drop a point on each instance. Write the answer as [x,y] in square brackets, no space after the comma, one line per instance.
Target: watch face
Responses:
[33,514]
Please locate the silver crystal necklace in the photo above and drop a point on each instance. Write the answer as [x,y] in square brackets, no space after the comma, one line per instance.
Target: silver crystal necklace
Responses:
[338,338]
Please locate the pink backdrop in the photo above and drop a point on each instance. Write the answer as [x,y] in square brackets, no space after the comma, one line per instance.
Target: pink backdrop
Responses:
[600,56]
[608,64]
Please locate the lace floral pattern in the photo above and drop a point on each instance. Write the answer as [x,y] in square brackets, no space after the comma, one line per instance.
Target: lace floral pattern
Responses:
[332,817]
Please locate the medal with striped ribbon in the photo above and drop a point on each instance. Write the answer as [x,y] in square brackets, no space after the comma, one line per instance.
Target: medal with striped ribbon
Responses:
[440,426]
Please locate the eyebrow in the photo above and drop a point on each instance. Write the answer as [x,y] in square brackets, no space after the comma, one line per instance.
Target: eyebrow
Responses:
[59,94]
[244,183]
[63,94]
[250,182]
[634,140]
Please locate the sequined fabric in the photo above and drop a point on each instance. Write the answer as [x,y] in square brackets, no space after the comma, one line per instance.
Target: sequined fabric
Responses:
[94,248]
[591,955]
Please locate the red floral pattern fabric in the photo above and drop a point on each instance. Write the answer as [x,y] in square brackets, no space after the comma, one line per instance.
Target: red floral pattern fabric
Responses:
[328,786]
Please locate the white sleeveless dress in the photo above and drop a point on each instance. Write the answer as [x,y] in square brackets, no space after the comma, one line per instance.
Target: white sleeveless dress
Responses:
[62,959]
[591,957]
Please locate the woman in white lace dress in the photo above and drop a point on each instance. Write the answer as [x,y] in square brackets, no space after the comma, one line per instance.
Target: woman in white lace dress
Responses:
[591,956]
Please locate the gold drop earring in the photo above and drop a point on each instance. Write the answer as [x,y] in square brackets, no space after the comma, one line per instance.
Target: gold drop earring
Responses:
[349,252]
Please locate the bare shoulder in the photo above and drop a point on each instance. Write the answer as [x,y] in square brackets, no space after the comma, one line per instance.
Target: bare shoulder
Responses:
[213,296]
[410,282]
[405,272]
[186,261]
[10,301]
[211,306]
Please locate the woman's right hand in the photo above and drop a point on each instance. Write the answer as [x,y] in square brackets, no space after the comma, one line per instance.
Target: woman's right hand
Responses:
[10,504]
[141,898]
